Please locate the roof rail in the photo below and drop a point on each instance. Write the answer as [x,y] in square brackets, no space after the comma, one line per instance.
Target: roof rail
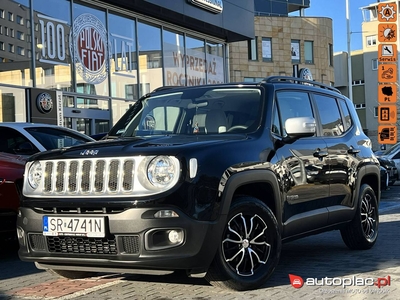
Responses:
[286,79]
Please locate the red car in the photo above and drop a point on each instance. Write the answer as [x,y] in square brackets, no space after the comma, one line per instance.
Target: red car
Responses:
[11,174]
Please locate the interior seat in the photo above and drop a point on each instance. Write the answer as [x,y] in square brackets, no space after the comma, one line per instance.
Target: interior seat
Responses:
[216,121]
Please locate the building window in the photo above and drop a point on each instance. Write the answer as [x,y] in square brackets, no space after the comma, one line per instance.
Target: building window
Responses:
[28,23]
[371,40]
[20,20]
[358,82]
[2,46]
[252,49]
[359,106]
[1,13]
[253,79]
[20,35]
[12,32]
[10,16]
[375,111]
[1,29]
[309,52]
[375,64]
[330,54]
[11,48]
[266,49]
[295,51]
[6,31]
[20,50]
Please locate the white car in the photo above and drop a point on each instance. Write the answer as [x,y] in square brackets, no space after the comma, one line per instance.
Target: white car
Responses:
[29,138]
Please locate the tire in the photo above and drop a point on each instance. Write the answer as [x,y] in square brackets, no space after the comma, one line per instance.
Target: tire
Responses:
[362,232]
[245,262]
[72,274]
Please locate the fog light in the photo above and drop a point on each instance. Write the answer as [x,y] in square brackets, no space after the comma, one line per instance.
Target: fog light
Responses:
[21,235]
[175,236]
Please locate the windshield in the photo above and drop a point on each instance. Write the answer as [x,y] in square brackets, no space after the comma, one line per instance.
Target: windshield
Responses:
[394,149]
[53,138]
[194,111]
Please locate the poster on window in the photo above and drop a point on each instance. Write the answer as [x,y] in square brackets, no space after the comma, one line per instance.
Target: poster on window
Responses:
[266,49]
[295,50]
[198,68]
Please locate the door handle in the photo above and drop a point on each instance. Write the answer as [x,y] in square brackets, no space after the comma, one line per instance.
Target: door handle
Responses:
[320,153]
[353,151]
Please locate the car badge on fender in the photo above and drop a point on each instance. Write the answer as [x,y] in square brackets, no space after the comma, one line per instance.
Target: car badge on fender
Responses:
[89,152]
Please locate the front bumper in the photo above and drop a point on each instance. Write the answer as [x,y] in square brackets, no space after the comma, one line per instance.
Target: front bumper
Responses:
[131,243]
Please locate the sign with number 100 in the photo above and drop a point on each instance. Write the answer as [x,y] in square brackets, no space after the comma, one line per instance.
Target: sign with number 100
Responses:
[53,39]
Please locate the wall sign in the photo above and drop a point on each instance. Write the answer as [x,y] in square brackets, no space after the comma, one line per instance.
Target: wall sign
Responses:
[90,48]
[44,103]
[216,6]
[44,106]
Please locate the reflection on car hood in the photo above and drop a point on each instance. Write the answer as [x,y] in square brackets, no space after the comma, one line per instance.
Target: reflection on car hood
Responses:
[168,145]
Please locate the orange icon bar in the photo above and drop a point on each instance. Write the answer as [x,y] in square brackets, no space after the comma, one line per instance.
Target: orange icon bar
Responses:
[387,32]
[387,73]
[387,12]
[387,114]
[387,93]
[387,134]
[387,52]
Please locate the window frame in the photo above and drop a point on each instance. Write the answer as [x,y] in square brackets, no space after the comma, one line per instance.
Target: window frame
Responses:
[266,49]
[252,49]
[296,55]
[308,61]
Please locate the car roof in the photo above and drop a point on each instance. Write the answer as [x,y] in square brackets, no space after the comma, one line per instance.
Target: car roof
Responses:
[26,124]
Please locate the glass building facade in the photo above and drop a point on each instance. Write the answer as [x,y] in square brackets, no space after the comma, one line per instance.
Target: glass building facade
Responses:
[100,56]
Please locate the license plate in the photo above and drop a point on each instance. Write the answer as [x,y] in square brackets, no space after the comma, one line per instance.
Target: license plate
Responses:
[73,226]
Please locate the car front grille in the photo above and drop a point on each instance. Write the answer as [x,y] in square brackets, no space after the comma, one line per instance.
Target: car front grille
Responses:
[84,245]
[86,176]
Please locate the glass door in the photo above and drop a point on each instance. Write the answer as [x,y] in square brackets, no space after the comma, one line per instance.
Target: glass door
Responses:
[86,114]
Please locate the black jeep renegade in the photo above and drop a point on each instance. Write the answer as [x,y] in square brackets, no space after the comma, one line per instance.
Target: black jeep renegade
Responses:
[208,179]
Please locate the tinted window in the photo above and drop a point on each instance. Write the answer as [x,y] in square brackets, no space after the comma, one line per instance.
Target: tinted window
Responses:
[12,141]
[329,113]
[348,122]
[293,105]
[53,138]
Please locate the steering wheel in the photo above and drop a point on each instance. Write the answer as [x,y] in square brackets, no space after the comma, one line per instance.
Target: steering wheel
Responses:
[237,127]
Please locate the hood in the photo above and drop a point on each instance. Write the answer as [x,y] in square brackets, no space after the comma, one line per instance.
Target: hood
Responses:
[386,161]
[7,159]
[150,145]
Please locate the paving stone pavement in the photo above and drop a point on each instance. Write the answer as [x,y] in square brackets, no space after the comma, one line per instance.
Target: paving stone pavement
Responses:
[320,256]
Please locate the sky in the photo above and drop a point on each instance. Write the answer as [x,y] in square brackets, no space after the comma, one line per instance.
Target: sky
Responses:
[336,10]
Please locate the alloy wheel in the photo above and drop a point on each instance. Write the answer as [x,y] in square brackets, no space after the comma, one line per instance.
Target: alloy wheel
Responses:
[245,247]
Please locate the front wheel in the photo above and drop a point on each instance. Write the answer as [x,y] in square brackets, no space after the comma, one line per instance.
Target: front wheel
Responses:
[249,249]
[362,232]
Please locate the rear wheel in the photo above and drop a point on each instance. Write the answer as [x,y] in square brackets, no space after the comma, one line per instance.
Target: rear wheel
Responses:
[249,249]
[362,232]
[72,274]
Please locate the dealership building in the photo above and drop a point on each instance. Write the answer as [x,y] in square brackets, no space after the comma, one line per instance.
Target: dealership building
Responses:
[90,60]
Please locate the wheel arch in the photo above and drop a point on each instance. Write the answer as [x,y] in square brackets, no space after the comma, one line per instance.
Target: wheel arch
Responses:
[372,178]
[261,184]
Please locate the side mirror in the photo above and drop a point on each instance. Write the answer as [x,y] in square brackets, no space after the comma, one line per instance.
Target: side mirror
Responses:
[300,127]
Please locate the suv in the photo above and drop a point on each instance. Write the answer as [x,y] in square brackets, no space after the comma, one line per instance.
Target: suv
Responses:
[207,179]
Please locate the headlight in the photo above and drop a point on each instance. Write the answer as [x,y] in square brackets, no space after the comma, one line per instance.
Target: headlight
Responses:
[35,175]
[162,171]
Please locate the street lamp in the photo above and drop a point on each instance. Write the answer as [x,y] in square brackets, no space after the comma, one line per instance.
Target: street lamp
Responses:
[350,83]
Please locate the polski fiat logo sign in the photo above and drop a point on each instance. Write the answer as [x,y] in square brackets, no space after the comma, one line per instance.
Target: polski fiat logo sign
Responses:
[44,103]
[90,48]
